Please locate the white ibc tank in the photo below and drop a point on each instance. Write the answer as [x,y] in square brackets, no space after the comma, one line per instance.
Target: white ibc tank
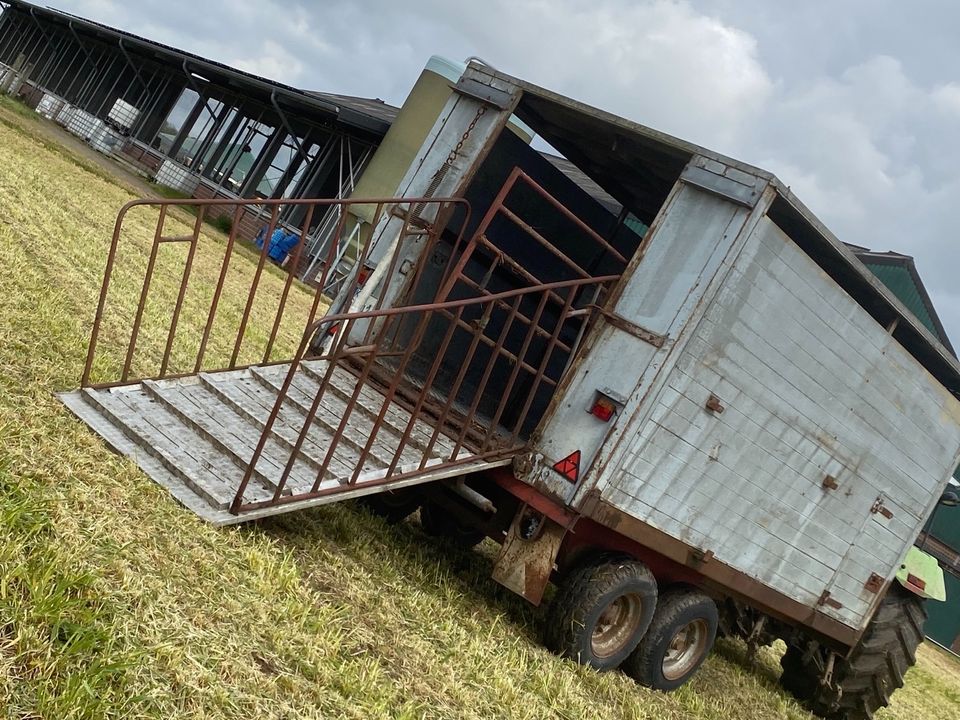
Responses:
[106,140]
[50,106]
[176,176]
[123,114]
[83,124]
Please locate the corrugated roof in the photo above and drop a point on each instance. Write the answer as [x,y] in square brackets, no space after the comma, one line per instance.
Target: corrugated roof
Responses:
[898,273]
[356,112]
[374,107]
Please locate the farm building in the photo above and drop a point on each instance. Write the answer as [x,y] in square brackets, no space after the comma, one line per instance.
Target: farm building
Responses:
[210,131]
[195,125]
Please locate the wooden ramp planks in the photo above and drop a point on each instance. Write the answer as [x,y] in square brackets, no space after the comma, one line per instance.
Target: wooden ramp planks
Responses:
[196,435]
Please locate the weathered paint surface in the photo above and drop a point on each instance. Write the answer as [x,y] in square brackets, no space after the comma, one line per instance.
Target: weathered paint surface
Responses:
[684,250]
[811,386]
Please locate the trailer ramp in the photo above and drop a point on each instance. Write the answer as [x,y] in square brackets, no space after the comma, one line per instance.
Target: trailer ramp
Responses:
[195,436]
[446,378]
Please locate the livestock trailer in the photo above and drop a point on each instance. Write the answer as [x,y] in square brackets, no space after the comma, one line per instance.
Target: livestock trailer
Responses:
[697,413]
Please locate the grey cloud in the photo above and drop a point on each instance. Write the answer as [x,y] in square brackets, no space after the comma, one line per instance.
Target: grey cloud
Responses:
[854,104]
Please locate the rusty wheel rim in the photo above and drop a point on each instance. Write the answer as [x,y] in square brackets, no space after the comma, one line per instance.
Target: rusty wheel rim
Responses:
[616,625]
[685,650]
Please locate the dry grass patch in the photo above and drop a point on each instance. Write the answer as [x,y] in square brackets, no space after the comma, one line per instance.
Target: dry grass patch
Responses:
[116,603]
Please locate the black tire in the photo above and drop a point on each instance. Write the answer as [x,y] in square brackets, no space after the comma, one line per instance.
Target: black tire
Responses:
[864,682]
[392,506]
[677,642]
[439,522]
[600,611]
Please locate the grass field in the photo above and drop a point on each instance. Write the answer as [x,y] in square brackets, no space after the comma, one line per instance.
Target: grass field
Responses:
[116,603]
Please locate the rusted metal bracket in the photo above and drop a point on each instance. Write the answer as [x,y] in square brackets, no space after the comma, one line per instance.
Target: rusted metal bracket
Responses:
[826,599]
[621,323]
[526,559]
[874,583]
[714,404]
[829,483]
[699,557]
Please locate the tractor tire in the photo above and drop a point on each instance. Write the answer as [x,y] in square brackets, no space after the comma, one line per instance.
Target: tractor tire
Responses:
[864,682]
[680,637]
[393,506]
[438,522]
[601,611]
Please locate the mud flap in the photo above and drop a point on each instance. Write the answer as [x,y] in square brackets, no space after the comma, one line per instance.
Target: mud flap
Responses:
[528,553]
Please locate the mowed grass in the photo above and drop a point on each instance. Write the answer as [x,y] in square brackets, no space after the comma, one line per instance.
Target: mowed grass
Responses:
[117,603]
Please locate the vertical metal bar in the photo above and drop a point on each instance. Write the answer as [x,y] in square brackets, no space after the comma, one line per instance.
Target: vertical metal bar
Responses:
[268,429]
[491,363]
[109,93]
[188,266]
[461,374]
[218,291]
[319,293]
[147,112]
[254,286]
[545,360]
[427,384]
[481,229]
[294,262]
[391,268]
[348,410]
[101,303]
[332,361]
[521,358]
[144,292]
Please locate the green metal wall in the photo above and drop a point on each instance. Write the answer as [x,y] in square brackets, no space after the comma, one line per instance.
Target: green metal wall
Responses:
[943,625]
[946,526]
[897,279]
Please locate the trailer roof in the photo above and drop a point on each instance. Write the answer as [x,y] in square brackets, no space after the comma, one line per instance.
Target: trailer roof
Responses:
[638,166]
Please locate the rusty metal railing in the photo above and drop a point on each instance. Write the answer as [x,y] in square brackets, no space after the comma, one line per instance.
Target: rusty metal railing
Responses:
[267,214]
[443,369]
[468,437]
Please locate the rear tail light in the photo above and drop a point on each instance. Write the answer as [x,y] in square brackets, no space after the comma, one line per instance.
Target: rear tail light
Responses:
[916,582]
[603,408]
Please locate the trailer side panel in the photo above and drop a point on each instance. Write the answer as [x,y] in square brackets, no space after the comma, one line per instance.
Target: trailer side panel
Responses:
[829,442]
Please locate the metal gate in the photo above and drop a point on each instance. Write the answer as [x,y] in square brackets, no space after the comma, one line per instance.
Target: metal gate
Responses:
[448,375]
[463,371]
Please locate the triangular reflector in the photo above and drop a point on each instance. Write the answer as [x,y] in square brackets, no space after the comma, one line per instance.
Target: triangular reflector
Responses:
[569,467]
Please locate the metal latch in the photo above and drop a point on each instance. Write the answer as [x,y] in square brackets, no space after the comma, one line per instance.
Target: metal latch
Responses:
[878,507]
[830,483]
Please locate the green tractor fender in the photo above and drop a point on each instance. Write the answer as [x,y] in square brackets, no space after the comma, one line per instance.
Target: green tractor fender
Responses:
[921,574]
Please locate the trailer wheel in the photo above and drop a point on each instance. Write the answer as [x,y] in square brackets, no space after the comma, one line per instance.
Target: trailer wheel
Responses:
[600,611]
[864,682]
[439,522]
[680,637]
[393,506]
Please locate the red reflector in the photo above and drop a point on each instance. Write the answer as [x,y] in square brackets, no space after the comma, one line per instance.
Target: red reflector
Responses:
[569,467]
[916,582]
[603,409]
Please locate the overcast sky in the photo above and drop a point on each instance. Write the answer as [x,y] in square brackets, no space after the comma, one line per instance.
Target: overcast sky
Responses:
[854,103]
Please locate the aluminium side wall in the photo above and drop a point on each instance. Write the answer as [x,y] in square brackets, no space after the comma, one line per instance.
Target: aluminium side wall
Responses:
[811,387]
